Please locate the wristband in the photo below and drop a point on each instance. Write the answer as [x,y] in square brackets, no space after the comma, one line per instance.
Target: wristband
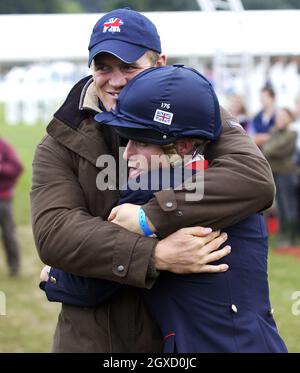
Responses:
[143,224]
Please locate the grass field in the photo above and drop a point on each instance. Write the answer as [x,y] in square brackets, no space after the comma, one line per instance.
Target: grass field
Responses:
[30,320]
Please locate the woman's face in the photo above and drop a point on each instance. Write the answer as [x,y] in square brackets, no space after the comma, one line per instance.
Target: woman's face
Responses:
[283,119]
[235,106]
[143,157]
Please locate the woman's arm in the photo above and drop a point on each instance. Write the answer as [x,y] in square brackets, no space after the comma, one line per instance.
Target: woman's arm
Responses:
[66,288]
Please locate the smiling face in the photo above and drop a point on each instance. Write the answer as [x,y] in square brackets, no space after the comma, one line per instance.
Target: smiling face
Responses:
[112,74]
[143,157]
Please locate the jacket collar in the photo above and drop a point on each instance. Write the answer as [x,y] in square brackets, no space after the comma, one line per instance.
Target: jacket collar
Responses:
[88,98]
[74,125]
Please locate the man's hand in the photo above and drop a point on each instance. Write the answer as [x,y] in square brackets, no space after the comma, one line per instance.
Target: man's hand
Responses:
[44,276]
[127,215]
[189,250]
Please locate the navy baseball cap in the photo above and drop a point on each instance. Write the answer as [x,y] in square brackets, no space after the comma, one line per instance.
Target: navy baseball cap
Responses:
[163,104]
[124,33]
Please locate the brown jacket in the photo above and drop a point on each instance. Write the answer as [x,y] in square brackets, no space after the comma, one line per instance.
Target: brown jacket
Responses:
[280,149]
[71,232]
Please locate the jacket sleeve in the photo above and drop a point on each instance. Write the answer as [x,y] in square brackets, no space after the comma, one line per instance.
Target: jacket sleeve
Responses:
[68,237]
[79,291]
[280,145]
[237,183]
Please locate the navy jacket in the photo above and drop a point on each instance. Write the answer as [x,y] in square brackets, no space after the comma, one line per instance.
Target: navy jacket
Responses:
[259,126]
[221,312]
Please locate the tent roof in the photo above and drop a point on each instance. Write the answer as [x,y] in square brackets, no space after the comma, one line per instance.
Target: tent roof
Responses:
[66,36]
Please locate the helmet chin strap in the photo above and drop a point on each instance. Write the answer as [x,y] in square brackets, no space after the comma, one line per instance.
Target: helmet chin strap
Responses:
[199,148]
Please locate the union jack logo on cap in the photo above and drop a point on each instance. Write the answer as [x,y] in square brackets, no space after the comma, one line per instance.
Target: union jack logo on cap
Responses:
[163,117]
[113,25]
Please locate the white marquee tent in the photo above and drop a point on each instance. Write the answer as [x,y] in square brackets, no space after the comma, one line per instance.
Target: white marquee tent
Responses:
[38,42]
[183,34]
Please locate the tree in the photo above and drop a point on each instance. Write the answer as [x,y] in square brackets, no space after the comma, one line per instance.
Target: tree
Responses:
[38,6]
[139,5]
[271,4]
[95,6]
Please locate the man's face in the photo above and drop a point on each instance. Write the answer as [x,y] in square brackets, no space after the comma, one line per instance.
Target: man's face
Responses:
[112,74]
[267,101]
[283,119]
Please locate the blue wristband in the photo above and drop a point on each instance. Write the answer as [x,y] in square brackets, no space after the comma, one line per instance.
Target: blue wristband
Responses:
[143,224]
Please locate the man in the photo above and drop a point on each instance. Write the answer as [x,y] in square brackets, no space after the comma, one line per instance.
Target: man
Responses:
[10,170]
[263,122]
[296,127]
[69,213]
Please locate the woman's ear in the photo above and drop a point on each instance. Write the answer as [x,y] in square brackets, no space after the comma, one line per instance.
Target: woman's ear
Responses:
[184,146]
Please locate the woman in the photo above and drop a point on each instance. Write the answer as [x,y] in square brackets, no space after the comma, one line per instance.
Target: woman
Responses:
[228,312]
[279,151]
[237,108]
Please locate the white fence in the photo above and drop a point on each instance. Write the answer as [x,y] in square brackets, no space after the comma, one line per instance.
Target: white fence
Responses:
[31,94]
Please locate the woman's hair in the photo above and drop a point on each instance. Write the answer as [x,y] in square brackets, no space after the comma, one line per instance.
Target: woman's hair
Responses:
[289,113]
[171,152]
[176,159]
[239,99]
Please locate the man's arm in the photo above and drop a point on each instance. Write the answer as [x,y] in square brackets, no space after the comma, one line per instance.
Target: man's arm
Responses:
[68,237]
[280,146]
[237,183]
[67,288]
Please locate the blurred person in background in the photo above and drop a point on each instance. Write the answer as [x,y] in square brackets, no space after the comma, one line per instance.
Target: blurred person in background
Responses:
[279,150]
[10,170]
[295,126]
[263,122]
[237,108]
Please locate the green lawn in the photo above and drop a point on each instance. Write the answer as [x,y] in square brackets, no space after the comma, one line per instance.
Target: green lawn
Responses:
[284,281]
[30,320]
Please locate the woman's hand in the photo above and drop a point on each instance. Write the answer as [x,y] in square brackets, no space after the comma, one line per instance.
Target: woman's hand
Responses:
[44,276]
[127,215]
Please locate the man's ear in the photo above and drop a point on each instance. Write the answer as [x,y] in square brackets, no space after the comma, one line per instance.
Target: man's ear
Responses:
[162,61]
[184,146]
